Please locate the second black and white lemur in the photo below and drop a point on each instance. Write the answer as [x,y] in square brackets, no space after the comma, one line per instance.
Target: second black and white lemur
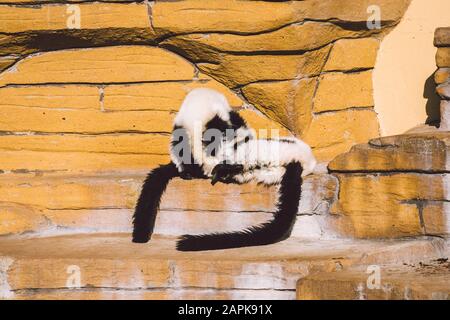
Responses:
[211,141]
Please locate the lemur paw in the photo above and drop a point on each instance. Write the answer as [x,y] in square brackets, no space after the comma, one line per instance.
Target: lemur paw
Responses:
[225,172]
[185,175]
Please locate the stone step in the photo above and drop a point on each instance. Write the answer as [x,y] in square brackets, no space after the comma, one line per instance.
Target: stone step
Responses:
[338,205]
[425,280]
[394,186]
[380,198]
[110,266]
[70,203]
[158,294]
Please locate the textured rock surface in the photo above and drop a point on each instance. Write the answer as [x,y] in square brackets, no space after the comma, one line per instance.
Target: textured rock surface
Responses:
[64,203]
[444,90]
[442,75]
[47,267]
[111,65]
[163,95]
[295,37]
[340,124]
[100,109]
[95,104]
[394,186]
[271,98]
[56,26]
[443,57]
[6,62]
[445,115]
[192,16]
[442,37]
[349,54]
[55,17]
[240,43]
[426,280]
[421,152]
[350,91]
[17,219]
[236,71]
[389,206]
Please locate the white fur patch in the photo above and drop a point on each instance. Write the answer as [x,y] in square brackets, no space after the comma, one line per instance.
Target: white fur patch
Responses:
[273,153]
[201,105]
[268,176]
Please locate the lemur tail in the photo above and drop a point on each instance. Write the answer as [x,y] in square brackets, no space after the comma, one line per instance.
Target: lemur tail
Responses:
[279,228]
[148,204]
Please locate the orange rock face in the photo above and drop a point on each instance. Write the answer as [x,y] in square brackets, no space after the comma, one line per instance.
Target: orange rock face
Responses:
[425,152]
[443,57]
[272,60]
[426,280]
[394,186]
[100,100]
[389,206]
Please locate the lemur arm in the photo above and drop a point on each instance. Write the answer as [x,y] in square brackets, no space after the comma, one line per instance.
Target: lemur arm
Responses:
[224,172]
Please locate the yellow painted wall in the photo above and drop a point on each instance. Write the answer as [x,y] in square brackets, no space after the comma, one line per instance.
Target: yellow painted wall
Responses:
[405,61]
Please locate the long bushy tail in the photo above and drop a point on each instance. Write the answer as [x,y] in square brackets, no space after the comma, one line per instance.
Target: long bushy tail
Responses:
[148,204]
[270,232]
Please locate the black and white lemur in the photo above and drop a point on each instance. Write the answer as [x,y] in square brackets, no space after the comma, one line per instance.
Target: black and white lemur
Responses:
[211,141]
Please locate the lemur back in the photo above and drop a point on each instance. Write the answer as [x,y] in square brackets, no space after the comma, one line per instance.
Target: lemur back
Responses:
[203,110]
[200,106]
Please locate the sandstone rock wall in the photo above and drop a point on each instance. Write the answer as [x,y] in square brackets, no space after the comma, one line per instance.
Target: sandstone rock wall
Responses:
[394,186]
[97,109]
[85,95]
[305,64]
[398,185]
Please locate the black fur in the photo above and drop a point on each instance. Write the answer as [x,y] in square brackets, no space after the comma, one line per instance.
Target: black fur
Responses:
[217,123]
[148,204]
[278,229]
[211,145]
[237,121]
[225,173]
[188,166]
[151,193]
